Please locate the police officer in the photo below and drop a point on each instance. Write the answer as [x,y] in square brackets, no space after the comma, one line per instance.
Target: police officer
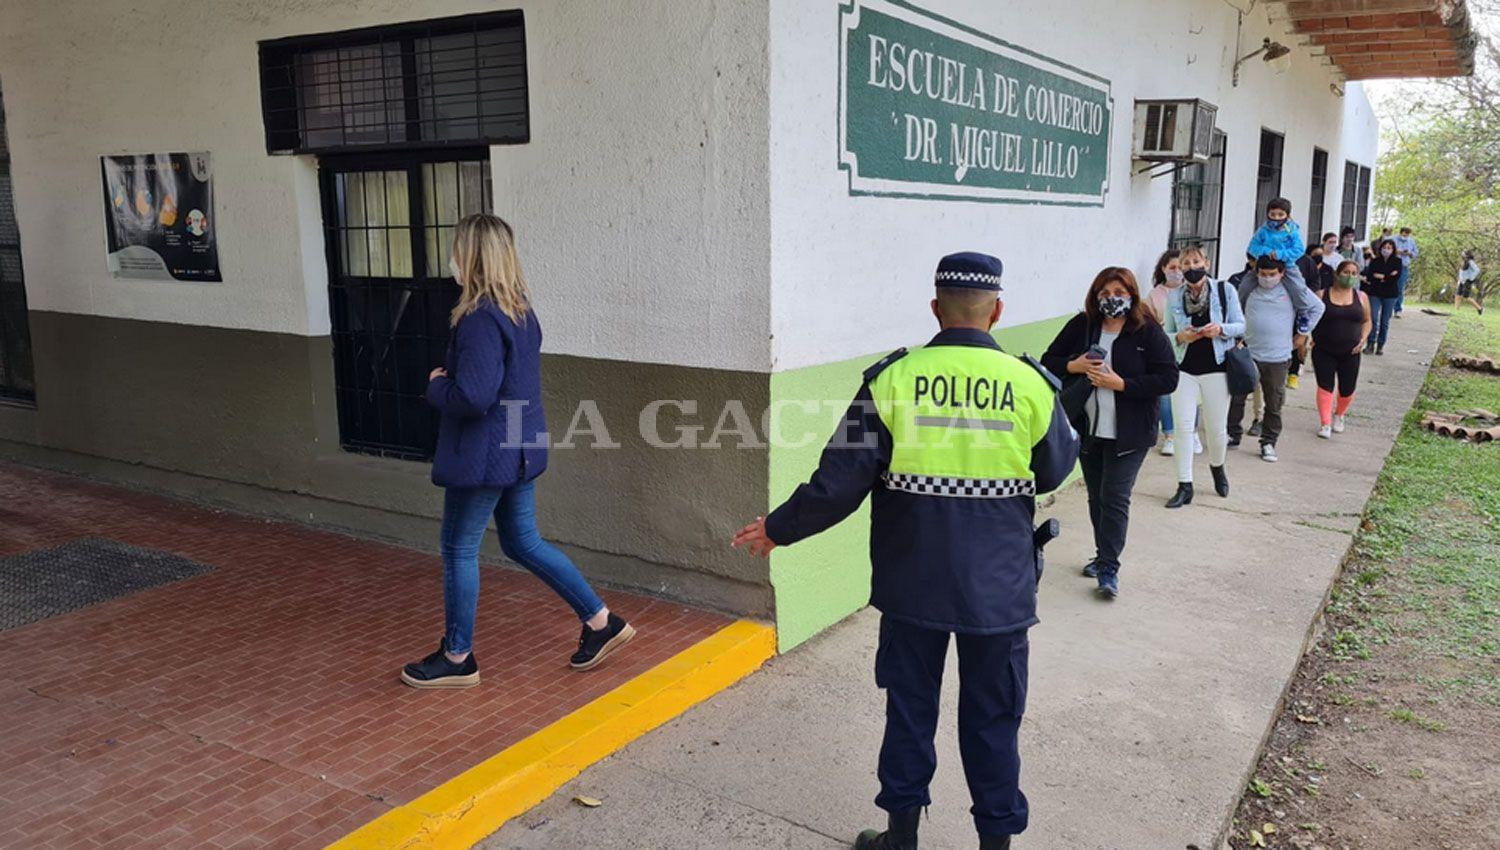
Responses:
[952,441]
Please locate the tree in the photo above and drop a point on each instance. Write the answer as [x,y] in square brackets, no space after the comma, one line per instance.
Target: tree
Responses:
[1439,172]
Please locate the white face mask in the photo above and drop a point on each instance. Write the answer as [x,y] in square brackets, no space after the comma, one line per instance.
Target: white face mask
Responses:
[453,270]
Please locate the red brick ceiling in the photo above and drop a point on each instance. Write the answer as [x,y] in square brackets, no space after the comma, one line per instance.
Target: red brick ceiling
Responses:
[1369,39]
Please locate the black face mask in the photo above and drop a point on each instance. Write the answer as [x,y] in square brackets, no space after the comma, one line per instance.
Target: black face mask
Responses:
[1195,275]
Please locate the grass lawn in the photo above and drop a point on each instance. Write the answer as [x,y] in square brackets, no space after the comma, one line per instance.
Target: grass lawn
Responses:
[1389,736]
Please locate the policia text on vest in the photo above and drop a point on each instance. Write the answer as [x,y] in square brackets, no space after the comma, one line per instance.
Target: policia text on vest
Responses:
[951,442]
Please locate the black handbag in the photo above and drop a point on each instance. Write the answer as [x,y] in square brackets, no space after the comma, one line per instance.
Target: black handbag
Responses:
[1240,371]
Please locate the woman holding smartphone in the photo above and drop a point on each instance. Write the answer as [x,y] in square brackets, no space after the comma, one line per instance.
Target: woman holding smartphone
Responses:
[1203,319]
[1117,346]
[491,447]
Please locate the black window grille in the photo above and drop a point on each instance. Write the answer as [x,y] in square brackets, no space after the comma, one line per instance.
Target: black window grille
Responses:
[1268,175]
[17,376]
[1362,211]
[1198,204]
[388,221]
[450,81]
[1354,209]
[1316,194]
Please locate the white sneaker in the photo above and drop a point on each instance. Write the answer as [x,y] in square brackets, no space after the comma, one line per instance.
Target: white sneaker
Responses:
[1325,432]
[1338,424]
[1268,453]
[1169,446]
[1197,445]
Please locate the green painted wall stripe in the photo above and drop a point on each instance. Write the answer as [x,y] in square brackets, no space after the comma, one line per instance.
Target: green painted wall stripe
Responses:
[825,579]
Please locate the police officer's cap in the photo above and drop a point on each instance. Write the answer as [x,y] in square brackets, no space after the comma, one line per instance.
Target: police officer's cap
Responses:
[970,270]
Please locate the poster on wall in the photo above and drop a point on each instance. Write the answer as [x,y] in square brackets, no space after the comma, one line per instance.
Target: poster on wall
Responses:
[930,108]
[159,217]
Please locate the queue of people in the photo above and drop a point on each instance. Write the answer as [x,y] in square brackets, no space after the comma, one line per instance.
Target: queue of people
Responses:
[1194,352]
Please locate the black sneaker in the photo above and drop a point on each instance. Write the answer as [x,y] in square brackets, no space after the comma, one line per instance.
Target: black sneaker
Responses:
[1234,442]
[1254,429]
[1091,569]
[436,671]
[594,647]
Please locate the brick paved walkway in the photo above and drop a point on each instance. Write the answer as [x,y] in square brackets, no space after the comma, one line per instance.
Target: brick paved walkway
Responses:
[257,705]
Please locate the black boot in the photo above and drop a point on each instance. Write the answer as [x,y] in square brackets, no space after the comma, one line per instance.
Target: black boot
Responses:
[1221,481]
[994,842]
[1183,496]
[900,833]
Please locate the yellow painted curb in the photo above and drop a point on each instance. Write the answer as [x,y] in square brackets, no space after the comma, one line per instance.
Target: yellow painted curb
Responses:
[467,808]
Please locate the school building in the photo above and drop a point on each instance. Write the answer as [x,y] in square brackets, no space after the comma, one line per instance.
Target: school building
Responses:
[224,226]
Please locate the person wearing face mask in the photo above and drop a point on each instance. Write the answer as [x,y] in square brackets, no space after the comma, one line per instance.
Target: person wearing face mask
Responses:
[1383,283]
[1350,251]
[1278,236]
[491,447]
[1316,267]
[1318,263]
[1165,277]
[1116,345]
[1406,249]
[1271,314]
[1203,320]
[1337,342]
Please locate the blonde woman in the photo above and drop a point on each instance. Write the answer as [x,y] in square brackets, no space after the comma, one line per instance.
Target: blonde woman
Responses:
[491,447]
[1203,319]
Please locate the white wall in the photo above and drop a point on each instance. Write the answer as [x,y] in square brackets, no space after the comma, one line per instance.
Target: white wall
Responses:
[640,202]
[852,276]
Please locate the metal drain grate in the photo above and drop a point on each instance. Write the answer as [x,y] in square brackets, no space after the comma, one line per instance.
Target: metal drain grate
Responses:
[47,582]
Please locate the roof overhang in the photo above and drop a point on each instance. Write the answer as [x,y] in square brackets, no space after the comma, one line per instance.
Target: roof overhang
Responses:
[1372,39]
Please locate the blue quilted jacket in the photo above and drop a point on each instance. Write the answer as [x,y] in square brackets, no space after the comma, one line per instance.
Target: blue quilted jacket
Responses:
[493,432]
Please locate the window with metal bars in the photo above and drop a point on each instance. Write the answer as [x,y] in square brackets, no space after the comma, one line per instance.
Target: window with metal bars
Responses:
[1315,195]
[1355,208]
[388,221]
[1198,204]
[450,81]
[1268,174]
[17,379]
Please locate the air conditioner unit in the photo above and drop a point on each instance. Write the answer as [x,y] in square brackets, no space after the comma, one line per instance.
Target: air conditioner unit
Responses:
[1174,130]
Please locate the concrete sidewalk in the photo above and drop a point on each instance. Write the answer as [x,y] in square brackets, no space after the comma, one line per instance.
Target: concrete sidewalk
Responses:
[1144,717]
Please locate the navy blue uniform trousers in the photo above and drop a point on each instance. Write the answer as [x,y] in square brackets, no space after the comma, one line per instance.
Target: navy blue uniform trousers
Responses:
[991,699]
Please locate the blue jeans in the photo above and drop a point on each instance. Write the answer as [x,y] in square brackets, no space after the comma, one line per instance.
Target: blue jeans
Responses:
[1167,423]
[466,515]
[1401,287]
[1381,310]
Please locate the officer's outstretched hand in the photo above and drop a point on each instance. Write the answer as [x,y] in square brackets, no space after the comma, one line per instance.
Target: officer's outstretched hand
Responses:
[753,537]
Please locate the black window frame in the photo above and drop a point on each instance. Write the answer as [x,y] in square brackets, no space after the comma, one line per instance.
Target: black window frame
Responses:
[280,85]
[1317,195]
[394,438]
[17,364]
[1269,171]
[1191,185]
[1354,203]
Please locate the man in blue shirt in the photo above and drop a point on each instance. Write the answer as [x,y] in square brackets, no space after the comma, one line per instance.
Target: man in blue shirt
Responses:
[1406,249]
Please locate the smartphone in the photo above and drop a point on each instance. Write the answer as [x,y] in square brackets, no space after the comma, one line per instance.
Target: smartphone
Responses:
[1095,352]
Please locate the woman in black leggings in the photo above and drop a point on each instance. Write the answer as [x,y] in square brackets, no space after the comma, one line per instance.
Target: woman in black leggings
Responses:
[1337,341]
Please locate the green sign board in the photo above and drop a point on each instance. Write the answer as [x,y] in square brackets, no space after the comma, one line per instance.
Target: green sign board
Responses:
[929,108]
